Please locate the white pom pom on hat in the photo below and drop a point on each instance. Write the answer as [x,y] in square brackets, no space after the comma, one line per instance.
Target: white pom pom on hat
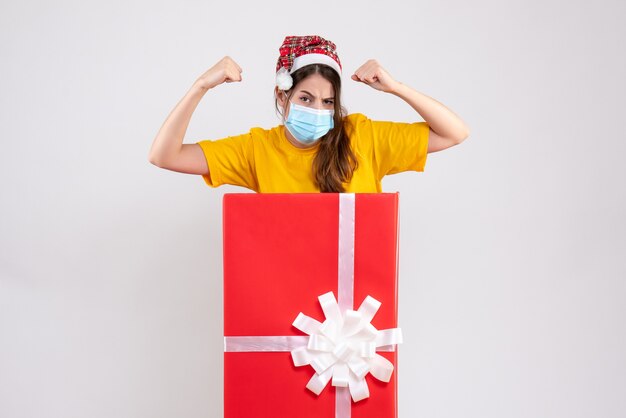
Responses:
[283,79]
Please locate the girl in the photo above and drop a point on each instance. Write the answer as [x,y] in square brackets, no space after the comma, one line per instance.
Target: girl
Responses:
[319,147]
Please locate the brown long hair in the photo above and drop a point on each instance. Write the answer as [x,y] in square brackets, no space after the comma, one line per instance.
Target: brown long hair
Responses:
[334,161]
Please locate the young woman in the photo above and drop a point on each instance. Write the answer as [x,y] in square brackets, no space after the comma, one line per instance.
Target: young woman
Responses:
[319,147]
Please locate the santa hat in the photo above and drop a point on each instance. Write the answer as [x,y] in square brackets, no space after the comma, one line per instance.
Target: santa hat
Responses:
[298,51]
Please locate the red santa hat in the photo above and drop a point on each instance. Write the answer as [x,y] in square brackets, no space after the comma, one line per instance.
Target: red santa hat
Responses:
[298,51]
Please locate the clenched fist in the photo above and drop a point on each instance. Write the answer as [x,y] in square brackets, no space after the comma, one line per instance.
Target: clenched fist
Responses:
[225,70]
[375,76]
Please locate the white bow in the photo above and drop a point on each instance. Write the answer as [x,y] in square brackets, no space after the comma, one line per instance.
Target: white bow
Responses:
[344,347]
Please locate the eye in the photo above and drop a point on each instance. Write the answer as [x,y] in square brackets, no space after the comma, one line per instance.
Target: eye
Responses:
[304,99]
[328,102]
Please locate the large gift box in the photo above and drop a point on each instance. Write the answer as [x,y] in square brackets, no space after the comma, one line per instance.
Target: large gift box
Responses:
[310,305]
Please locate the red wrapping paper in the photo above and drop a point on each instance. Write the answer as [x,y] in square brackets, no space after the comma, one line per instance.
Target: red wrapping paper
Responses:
[280,254]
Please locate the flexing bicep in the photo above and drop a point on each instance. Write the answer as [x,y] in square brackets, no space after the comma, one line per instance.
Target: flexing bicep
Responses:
[437,142]
[190,159]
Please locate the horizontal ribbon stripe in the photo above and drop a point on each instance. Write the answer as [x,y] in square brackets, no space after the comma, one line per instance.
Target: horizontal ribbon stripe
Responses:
[275,343]
[264,343]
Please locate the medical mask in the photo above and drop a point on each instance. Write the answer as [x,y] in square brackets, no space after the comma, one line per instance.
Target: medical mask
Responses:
[308,125]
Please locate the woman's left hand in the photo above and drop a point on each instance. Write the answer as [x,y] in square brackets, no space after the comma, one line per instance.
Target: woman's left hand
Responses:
[375,76]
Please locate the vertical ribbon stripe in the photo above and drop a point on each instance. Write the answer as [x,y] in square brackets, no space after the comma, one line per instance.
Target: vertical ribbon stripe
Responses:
[345,278]
[345,285]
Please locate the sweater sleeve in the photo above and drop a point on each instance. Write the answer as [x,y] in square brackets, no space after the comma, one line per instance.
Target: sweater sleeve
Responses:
[394,147]
[230,161]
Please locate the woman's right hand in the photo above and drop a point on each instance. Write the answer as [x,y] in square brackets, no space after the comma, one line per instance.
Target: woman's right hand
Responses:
[225,70]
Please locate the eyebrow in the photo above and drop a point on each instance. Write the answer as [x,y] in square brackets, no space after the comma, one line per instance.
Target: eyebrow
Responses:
[328,98]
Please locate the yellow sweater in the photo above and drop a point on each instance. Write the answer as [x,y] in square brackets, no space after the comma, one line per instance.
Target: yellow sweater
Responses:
[265,161]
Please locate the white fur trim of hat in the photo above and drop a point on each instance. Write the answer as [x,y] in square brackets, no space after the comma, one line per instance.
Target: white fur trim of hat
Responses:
[284,81]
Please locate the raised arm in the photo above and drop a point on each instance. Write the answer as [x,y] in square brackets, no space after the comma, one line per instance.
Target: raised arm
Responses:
[168,150]
[446,128]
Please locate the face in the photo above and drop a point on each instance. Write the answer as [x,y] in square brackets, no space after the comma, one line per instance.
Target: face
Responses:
[314,92]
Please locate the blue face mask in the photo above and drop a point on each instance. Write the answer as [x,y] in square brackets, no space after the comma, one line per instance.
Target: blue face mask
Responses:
[308,125]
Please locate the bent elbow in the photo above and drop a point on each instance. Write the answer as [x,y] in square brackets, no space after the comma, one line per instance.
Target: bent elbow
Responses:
[463,137]
[154,160]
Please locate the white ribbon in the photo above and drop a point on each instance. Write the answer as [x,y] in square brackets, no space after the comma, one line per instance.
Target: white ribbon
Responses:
[343,348]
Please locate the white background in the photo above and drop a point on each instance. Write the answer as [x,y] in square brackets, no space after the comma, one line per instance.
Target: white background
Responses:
[512,247]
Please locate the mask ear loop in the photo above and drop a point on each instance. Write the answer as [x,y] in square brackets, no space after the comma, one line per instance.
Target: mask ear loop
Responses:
[282,113]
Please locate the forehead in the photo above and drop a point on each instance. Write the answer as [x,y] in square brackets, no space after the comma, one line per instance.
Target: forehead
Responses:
[317,85]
